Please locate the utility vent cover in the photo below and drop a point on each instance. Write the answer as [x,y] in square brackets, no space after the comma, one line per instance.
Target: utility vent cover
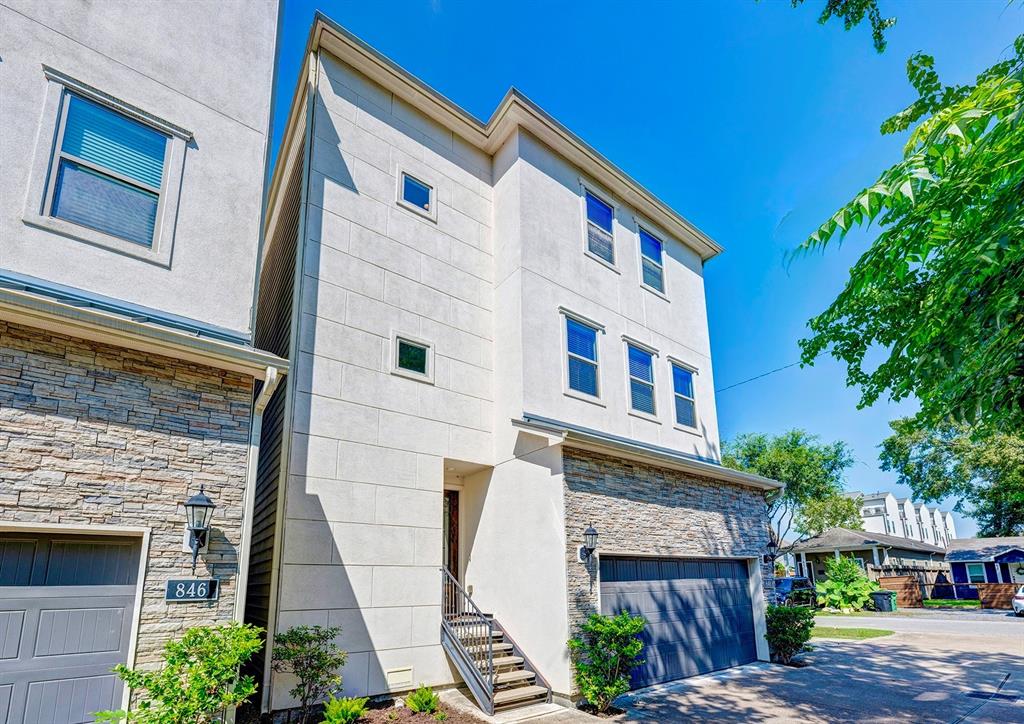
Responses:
[399,678]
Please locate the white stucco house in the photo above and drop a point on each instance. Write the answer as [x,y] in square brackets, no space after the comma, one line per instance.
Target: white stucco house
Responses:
[499,341]
[882,512]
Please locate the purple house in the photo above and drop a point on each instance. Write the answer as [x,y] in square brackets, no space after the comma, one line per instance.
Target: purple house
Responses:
[986,560]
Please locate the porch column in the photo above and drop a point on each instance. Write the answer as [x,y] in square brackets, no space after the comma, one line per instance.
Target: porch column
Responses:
[836,551]
[874,552]
[803,564]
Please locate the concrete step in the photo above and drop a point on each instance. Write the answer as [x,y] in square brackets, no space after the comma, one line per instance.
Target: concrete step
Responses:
[519,694]
[515,676]
[481,650]
[506,661]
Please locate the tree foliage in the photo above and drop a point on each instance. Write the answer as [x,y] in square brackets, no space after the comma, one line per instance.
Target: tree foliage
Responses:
[603,655]
[811,470]
[853,13]
[309,652]
[845,587]
[788,629]
[833,511]
[940,291]
[985,473]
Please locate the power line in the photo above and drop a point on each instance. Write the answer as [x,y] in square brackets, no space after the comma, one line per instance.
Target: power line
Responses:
[757,377]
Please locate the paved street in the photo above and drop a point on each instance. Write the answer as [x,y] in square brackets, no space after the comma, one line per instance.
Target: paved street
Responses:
[930,670]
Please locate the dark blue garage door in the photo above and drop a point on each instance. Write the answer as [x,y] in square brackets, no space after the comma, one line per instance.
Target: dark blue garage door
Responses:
[698,612]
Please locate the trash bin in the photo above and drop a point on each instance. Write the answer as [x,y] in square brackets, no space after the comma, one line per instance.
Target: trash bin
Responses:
[884,600]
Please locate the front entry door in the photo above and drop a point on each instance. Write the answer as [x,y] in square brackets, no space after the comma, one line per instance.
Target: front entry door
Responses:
[450,534]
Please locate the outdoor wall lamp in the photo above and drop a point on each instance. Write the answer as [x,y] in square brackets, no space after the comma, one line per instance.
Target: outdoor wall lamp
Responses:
[589,544]
[773,547]
[198,513]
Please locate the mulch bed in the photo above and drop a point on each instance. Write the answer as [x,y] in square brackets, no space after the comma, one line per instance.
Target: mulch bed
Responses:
[389,714]
[608,713]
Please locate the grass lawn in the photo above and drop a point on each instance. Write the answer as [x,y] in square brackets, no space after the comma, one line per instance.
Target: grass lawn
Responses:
[831,632]
[944,603]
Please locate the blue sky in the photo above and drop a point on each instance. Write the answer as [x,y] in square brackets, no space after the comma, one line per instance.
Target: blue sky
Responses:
[752,120]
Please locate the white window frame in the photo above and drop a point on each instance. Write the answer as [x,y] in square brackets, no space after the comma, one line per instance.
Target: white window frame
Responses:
[984,573]
[563,316]
[673,362]
[400,174]
[397,337]
[585,188]
[630,342]
[648,229]
[42,180]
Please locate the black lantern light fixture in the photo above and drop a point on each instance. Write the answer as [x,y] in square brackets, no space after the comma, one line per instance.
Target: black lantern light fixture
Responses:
[589,543]
[198,513]
[773,546]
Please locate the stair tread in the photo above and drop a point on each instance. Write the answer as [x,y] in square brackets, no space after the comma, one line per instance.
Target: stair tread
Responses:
[506,677]
[507,660]
[519,693]
[483,648]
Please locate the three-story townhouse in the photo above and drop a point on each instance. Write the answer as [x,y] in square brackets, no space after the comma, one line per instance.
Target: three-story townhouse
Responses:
[501,415]
[133,151]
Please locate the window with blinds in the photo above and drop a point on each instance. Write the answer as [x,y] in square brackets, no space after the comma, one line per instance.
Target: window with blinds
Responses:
[599,228]
[107,171]
[682,388]
[581,348]
[641,380]
[652,271]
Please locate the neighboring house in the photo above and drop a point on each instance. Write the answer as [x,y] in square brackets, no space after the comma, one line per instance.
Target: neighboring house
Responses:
[884,513]
[987,560]
[499,340]
[130,206]
[878,554]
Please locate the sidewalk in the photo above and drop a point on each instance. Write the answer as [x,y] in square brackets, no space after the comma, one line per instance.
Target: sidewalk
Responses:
[958,614]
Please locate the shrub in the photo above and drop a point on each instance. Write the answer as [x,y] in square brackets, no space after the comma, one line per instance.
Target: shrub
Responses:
[780,569]
[847,588]
[309,652]
[423,700]
[789,630]
[344,711]
[198,679]
[604,655]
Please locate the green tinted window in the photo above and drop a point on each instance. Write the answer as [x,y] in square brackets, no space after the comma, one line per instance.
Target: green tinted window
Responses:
[412,357]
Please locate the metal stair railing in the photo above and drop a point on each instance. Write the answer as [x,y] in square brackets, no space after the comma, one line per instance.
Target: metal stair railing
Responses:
[462,621]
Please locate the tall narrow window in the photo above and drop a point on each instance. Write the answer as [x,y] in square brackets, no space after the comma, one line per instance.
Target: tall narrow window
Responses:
[976,572]
[599,228]
[581,345]
[682,388]
[107,172]
[641,380]
[652,269]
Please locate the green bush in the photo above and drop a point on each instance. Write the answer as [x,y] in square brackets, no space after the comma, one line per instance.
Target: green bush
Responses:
[198,679]
[423,700]
[847,588]
[604,655]
[309,652]
[344,711]
[789,630]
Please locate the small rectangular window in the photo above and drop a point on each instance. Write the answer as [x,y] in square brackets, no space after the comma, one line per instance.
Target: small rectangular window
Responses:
[600,235]
[651,267]
[976,572]
[641,380]
[581,349]
[412,358]
[416,193]
[682,388]
[107,171]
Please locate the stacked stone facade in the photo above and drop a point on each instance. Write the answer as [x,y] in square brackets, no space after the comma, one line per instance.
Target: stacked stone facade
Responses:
[96,435]
[646,510]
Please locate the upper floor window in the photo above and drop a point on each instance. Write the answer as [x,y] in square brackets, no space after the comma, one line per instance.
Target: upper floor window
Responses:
[682,388]
[581,348]
[652,271]
[641,379]
[107,171]
[599,228]
[412,358]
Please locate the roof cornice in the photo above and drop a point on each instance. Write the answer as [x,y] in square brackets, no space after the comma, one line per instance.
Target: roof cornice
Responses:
[514,111]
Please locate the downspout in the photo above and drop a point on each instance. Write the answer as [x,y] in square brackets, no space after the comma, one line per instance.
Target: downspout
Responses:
[270,383]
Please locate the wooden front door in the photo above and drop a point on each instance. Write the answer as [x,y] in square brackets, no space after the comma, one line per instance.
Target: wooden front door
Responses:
[450,534]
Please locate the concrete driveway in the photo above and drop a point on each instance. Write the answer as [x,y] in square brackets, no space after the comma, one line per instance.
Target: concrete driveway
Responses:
[953,669]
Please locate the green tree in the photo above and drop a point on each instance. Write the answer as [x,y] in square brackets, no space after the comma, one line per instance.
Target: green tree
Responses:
[832,511]
[853,13]
[198,678]
[810,469]
[985,473]
[940,291]
[603,655]
[309,652]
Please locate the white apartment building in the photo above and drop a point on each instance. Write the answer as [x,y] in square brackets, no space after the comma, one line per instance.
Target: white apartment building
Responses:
[501,415]
[884,513]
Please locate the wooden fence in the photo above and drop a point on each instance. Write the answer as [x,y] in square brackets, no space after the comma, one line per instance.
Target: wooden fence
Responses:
[908,590]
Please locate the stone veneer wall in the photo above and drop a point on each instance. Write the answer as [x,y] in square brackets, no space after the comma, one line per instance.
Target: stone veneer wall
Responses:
[643,509]
[100,435]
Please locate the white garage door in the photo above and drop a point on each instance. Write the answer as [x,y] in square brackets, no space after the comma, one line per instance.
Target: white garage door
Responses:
[66,610]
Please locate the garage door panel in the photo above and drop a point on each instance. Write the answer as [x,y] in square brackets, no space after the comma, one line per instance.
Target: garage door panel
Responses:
[12,624]
[698,612]
[79,631]
[71,701]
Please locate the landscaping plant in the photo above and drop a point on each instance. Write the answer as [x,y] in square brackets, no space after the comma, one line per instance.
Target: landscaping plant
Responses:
[197,681]
[605,653]
[309,652]
[847,588]
[789,630]
[423,700]
[344,711]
